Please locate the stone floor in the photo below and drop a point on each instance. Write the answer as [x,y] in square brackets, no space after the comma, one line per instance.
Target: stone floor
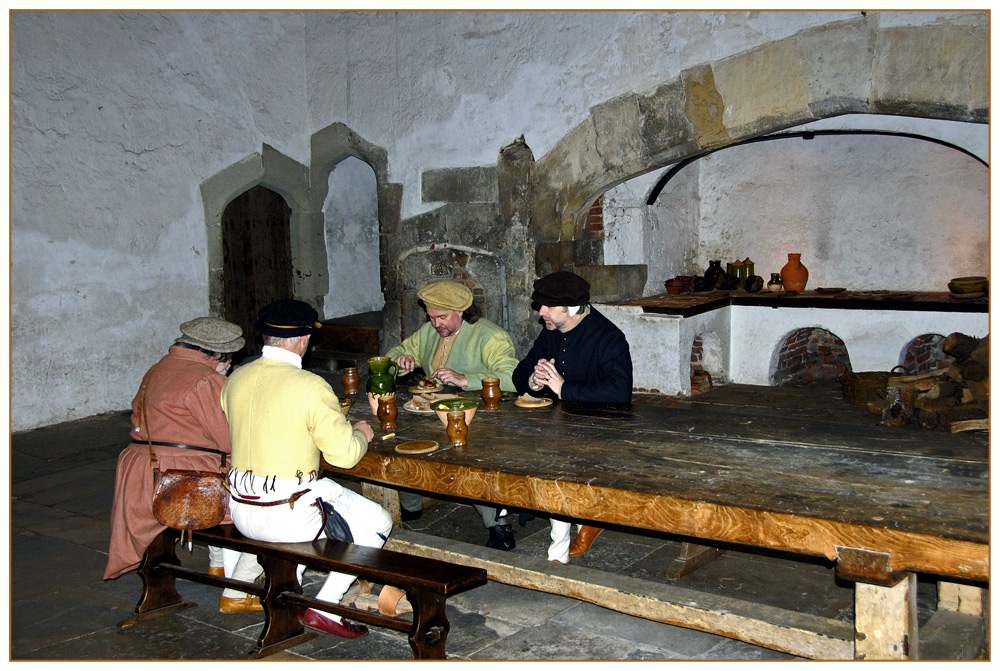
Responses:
[61,609]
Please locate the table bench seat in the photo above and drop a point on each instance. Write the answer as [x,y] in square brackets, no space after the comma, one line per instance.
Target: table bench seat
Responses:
[427,583]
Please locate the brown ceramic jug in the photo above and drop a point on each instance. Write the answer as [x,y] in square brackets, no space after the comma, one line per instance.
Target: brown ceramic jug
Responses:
[794,275]
[457,428]
[351,381]
[491,393]
[387,411]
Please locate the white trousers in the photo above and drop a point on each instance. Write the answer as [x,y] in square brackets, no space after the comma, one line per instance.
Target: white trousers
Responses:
[559,533]
[370,524]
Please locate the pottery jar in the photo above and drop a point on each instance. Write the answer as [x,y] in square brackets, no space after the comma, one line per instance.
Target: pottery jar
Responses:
[774,285]
[794,275]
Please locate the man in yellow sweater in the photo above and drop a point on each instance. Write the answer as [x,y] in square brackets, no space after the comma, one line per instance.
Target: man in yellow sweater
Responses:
[458,347]
[282,419]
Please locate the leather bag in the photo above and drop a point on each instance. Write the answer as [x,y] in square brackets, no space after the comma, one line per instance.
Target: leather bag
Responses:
[186,500]
[334,524]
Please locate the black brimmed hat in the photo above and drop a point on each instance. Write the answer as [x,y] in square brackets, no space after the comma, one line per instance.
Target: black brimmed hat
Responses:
[561,288]
[287,318]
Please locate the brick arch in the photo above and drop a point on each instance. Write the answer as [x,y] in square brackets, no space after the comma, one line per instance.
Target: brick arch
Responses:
[852,67]
[809,355]
[925,353]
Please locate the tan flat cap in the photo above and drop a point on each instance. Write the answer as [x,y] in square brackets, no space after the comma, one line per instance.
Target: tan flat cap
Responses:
[446,295]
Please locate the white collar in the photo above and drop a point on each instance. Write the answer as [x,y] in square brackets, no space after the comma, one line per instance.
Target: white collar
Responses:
[271,352]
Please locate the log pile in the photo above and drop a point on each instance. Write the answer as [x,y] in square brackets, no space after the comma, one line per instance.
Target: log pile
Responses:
[955,398]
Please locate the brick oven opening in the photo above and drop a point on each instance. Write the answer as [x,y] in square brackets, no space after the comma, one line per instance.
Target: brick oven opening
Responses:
[813,354]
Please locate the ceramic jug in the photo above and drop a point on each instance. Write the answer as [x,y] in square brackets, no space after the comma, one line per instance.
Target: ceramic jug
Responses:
[712,273]
[457,428]
[794,275]
[350,380]
[491,393]
[381,381]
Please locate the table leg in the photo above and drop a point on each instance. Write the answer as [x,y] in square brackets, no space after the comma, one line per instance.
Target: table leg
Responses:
[691,557]
[385,497]
[966,599]
[885,620]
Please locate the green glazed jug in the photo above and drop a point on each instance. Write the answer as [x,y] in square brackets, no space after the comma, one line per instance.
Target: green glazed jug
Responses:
[381,381]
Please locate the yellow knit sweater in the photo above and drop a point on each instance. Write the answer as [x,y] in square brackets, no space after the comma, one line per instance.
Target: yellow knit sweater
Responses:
[281,418]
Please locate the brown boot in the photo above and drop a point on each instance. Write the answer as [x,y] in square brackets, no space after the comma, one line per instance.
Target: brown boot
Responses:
[583,540]
[244,604]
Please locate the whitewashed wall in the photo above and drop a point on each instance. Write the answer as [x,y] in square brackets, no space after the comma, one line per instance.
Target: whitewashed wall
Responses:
[118,117]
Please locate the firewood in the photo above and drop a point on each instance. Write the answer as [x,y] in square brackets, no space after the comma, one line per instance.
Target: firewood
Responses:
[924,380]
[970,425]
[941,389]
[928,420]
[935,404]
[960,413]
[966,396]
[954,373]
[959,346]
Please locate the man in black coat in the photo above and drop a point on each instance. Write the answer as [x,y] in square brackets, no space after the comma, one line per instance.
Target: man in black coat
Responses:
[580,356]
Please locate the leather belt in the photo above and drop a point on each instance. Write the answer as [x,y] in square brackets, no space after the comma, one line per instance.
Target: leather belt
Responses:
[290,500]
[161,443]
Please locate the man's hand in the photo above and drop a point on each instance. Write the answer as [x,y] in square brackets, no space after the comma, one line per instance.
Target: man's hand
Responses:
[405,363]
[449,376]
[546,375]
[362,426]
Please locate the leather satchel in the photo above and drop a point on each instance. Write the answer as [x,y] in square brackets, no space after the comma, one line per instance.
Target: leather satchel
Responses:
[186,500]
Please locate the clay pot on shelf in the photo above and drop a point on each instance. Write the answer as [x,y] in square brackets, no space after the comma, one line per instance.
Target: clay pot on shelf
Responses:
[774,286]
[674,286]
[794,275]
[753,284]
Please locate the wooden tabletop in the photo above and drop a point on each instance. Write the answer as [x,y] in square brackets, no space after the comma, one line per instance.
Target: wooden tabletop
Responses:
[767,474]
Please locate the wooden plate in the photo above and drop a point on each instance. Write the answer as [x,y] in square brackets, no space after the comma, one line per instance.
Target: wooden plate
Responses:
[967,297]
[417,447]
[537,404]
[426,390]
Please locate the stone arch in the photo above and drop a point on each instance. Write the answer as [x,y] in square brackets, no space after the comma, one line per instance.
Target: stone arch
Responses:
[305,189]
[280,174]
[851,67]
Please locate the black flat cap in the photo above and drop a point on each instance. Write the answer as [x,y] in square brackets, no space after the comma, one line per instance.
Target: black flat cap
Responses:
[561,288]
[287,318]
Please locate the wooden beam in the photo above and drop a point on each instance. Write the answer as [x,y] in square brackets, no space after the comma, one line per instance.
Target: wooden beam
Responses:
[796,633]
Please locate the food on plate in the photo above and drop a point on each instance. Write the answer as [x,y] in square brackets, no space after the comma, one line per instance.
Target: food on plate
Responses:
[428,383]
[422,402]
[529,401]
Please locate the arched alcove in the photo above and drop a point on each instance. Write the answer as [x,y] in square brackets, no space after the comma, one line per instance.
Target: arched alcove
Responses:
[925,354]
[351,227]
[809,355]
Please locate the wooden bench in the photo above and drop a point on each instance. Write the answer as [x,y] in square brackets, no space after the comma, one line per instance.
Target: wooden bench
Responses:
[427,583]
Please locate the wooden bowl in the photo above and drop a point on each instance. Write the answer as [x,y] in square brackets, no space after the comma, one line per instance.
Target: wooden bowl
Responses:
[441,408]
[345,405]
[968,285]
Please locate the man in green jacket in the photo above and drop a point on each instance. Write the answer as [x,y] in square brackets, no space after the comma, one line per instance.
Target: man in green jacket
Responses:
[458,347]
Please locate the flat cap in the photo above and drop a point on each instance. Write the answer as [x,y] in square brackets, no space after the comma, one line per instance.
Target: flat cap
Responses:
[287,318]
[212,334]
[561,288]
[446,295]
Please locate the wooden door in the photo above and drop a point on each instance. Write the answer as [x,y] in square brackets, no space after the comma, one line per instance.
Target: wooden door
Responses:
[257,259]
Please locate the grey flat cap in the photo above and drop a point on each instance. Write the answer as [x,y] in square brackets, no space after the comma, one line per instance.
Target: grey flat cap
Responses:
[212,334]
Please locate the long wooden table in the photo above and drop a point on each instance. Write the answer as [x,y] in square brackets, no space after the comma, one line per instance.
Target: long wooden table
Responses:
[883,503]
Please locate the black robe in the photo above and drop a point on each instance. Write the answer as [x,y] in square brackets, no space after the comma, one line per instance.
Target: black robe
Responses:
[593,358]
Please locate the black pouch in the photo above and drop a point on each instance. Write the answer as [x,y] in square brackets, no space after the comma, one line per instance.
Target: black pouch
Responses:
[334,524]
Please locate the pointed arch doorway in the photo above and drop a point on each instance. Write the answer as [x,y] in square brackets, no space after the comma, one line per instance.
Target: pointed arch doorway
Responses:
[256,259]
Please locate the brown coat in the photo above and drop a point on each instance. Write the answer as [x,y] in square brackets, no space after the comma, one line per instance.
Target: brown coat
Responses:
[182,406]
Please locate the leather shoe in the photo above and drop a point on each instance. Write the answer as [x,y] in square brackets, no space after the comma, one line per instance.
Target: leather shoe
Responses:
[583,540]
[501,538]
[217,571]
[343,629]
[239,604]
[410,515]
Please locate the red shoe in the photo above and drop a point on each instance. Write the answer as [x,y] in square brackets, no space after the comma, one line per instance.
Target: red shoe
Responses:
[343,629]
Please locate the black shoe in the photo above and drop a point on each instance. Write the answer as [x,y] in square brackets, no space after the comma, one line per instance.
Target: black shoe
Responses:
[501,538]
[410,515]
[524,518]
